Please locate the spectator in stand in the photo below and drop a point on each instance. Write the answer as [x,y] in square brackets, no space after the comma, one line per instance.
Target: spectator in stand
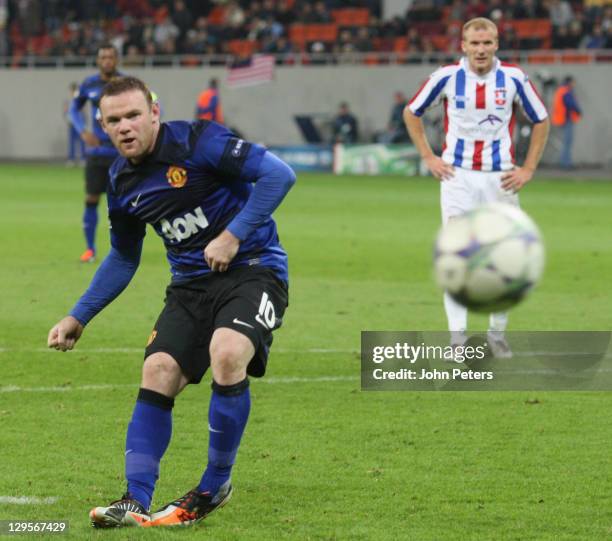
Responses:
[561,39]
[595,40]
[279,46]
[345,43]
[475,8]
[363,42]
[535,9]
[574,34]
[4,47]
[606,22]
[321,14]
[508,40]
[561,14]
[132,56]
[165,34]
[565,113]
[183,20]
[307,14]
[345,126]
[396,129]
[494,6]
[415,42]
[457,11]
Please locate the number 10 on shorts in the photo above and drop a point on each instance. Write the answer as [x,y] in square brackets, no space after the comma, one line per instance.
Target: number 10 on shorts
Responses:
[265,314]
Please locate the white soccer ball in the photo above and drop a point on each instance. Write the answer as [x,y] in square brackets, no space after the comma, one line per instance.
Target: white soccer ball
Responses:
[490,258]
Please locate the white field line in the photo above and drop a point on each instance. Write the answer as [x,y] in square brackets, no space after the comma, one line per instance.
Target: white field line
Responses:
[106,387]
[27,500]
[286,350]
[141,350]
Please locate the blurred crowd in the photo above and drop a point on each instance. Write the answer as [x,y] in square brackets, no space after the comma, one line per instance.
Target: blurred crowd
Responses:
[67,28]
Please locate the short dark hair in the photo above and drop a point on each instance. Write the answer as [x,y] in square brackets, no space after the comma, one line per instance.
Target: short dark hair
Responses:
[119,85]
[568,79]
[107,45]
[213,83]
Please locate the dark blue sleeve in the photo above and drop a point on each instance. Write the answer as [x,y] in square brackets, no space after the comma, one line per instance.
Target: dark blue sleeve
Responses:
[113,276]
[74,112]
[571,103]
[227,156]
[273,179]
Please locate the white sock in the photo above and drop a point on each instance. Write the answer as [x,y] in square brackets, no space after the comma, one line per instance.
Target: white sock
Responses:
[498,323]
[456,314]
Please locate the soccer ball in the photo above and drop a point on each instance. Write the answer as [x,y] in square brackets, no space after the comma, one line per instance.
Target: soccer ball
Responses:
[490,258]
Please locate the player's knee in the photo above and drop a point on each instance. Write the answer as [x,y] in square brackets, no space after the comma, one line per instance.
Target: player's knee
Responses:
[92,199]
[225,356]
[161,373]
[229,357]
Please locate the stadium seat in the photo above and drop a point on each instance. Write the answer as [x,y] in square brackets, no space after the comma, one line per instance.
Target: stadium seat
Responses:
[400,45]
[576,58]
[533,29]
[542,58]
[242,47]
[430,28]
[191,61]
[321,32]
[440,42]
[351,16]
[216,16]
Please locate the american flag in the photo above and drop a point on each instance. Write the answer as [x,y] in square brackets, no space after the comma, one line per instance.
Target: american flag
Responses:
[260,69]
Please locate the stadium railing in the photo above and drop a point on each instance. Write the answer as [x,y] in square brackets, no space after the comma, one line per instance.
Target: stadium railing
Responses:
[547,56]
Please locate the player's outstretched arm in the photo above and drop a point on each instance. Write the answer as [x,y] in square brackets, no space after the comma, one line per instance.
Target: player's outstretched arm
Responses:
[439,169]
[64,335]
[514,180]
[110,280]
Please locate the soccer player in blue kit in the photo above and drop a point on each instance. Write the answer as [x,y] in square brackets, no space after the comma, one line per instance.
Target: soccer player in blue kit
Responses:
[100,151]
[209,195]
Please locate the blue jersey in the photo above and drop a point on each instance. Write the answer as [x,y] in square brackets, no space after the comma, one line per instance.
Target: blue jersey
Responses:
[196,180]
[90,90]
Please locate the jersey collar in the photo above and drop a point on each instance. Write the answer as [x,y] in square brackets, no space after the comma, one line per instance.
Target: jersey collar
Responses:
[465,65]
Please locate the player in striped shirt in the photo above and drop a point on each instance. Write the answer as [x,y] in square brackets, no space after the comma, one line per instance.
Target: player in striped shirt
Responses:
[480,95]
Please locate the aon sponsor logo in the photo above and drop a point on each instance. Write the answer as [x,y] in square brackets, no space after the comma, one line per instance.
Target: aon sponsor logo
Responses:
[183,227]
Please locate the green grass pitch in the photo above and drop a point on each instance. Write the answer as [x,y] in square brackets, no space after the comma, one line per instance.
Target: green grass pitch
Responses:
[320,459]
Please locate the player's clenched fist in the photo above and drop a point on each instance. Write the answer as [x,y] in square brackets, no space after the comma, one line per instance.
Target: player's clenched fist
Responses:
[220,251]
[65,334]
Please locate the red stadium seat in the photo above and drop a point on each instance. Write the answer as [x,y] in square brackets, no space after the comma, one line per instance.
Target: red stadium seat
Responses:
[351,16]
[430,28]
[534,28]
[440,42]
[300,34]
[400,45]
[321,32]
[576,58]
[541,58]
[191,61]
[216,16]
[297,35]
[242,47]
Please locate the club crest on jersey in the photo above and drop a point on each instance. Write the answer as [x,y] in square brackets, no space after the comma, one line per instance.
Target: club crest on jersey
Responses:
[500,97]
[177,176]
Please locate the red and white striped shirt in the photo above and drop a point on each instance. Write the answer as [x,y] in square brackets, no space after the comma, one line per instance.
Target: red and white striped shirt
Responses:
[479,112]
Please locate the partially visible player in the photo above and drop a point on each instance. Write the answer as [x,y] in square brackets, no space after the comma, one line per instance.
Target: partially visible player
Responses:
[480,94]
[209,103]
[193,183]
[99,150]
